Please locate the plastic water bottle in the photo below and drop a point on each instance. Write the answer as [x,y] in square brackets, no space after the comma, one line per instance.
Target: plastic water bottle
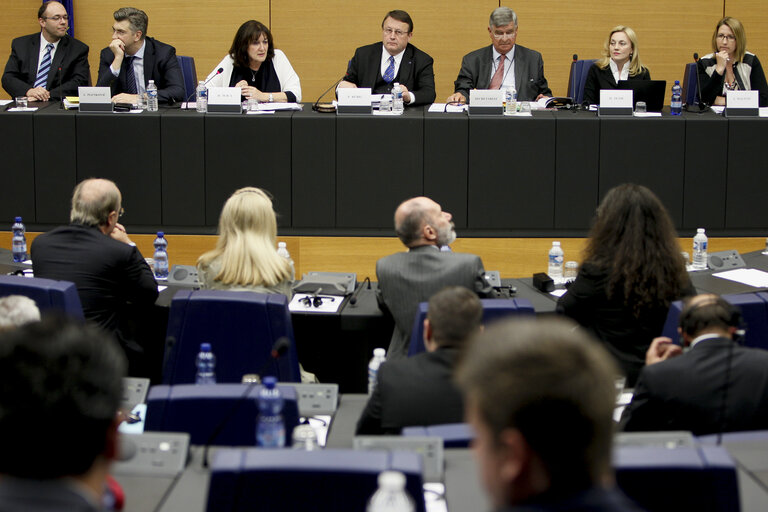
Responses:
[397,99]
[379,356]
[161,256]
[152,96]
[270,429]
[555,269]
[676,105]
[282,250]
[19,242]
[510,100]
[206,365]
[700,243]
[391,495]
[201,99]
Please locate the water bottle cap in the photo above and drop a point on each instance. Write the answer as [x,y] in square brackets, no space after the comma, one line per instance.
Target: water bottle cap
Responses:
[18,219]
[392,480]
[379,352]
[269,381]
[555,244]
[201,82]
[677,82]
[151,81]
[700,230]
[205,347]
[160,234]
[281,245]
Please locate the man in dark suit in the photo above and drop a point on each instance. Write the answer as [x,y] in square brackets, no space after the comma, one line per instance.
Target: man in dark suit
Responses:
[380,65]
[408,278]
[131,60]
[502,64]
[716,386]
[419,390]
[539,396]
[60,389]
[94,252]
[33,67]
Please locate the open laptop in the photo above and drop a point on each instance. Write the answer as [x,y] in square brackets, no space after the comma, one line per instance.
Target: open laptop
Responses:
[649,91]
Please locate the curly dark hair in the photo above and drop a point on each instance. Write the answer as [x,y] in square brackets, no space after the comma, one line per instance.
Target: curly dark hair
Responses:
[634,241]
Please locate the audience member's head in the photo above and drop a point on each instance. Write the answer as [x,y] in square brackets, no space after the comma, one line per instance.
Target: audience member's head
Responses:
[60,389]
[634,240]
[540,396]
[96,202]
[17,310]
[246,243]
[421,221]
[708,314]
[454,315]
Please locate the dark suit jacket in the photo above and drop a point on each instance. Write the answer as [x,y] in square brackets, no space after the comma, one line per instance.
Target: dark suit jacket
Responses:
[413,391]
[21,70]
[415,71]
[43,496]
[595,499]
[686,392]
[598,79]
[475,73]
[160,65]
[408,278]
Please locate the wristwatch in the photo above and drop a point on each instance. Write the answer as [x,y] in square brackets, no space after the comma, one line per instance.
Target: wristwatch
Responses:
[271,98]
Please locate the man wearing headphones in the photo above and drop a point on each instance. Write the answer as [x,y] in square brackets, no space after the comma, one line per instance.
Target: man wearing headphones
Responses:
[716,386]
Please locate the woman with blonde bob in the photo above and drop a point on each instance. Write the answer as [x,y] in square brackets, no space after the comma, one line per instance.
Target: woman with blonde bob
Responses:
[620,61]
[245,257]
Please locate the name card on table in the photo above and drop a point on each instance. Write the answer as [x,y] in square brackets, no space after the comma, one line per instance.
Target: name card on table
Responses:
[742,104]
[353,100]
[486,102]
[615,102]
[95,99]
[225,100]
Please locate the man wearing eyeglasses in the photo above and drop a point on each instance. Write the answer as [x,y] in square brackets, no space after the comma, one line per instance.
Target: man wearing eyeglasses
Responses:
[503,64]
[380,65]
[49,64]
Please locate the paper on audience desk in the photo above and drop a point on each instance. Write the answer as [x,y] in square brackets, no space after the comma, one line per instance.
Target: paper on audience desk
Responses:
[748,276]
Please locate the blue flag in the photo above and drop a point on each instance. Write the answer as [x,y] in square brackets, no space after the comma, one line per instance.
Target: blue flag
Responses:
[71,12]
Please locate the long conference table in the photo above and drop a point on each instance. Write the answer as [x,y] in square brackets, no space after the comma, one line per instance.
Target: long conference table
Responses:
[344,175]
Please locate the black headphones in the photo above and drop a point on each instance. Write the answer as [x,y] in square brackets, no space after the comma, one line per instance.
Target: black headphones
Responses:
[315,300]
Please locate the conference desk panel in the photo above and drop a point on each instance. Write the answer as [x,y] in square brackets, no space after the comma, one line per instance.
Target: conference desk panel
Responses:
[747,173]
[706,163]
[183,163]
[313,154]
[446,155]
[576,169]
[55,163]
[17,197]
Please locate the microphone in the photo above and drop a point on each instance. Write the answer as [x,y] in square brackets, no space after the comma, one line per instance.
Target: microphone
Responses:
[353,298]
[279,349]
[327,107]
[695,57]
[61,91]
[575,57]
[217,73]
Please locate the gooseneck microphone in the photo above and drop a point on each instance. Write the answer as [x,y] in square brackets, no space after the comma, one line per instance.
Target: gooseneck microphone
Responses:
[353,298]
[217,73]
[326,107]
[61,91]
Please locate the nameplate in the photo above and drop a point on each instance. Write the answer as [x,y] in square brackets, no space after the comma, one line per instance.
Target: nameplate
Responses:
[224,99]
[615,103]
[95,99]
[353,100]
[742,104]
[486,98]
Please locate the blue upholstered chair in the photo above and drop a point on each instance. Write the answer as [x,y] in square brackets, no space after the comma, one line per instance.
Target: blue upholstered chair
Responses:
[493,309]
[241,327]
[199,410]
[690,81]
[577,78]
[50,296]
[328,480]
[189,73]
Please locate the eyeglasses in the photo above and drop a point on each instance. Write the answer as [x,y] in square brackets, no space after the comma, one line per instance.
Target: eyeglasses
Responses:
[502,35]
[122,212]
[398,33]
[57,18]
[727,37]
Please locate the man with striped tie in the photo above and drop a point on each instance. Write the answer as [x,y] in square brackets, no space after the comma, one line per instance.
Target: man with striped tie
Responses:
[50,64]
[395,59]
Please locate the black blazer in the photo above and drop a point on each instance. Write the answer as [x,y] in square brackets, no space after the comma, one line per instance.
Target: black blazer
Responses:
[415,391]
[415,71]
[686,392]
[160,65]
[598,79]
[21,70]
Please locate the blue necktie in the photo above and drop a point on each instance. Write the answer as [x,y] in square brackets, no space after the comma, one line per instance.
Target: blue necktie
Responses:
[45,67]
[130,77]
[389,73]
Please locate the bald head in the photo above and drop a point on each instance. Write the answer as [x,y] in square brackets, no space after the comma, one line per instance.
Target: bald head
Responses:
[421,221]
[95,202]
[708,314]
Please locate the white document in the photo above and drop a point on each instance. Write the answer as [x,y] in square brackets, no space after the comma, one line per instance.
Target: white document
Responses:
[559,292]
[330,304]
[5,102]
[17,109]
[280,106]
[258,112]
[437,107]
[763,111]
[748,276]
[647,114]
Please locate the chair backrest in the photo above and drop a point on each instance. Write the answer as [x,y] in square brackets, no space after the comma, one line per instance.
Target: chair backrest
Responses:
[454,435]
[493,310]
[241,327]
[331,480]
[577,78]
[690,81]
[189,73]
[51,296]
[199,410]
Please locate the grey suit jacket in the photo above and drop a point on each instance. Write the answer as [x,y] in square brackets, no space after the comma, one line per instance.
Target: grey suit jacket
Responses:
[408,278]
[475,73]
[43,496]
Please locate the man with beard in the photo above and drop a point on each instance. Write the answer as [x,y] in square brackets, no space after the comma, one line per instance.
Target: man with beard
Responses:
[408,278]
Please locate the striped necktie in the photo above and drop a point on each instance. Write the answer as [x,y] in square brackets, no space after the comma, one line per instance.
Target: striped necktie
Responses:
[389,73]
[130,76]
[45,67]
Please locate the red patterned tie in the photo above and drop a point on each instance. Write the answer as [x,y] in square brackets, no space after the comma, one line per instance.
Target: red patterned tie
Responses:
[498,77]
